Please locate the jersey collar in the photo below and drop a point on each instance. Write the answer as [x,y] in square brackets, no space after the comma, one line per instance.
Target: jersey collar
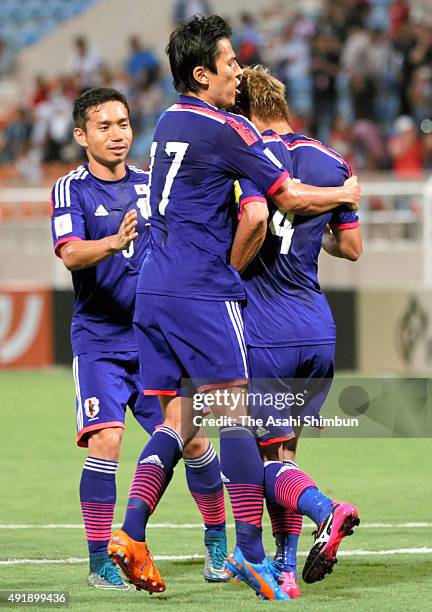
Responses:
[104,182]
[194,101]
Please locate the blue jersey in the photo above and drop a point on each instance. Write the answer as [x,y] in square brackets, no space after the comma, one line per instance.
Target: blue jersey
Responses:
[197,153]
[87,208]
[285,305]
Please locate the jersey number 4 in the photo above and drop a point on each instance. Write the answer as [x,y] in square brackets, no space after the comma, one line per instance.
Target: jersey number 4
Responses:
[178,149]
[281,225]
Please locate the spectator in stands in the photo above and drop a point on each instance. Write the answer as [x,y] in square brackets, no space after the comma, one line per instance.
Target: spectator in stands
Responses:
[16,135]
[406,149]
[7,62]
[356,58]
[184,9]
[420,93]
[142,65]
[53,118]
[325,69]
[248,41]
[404,43]
[40,92]
[421,51]
[291,57]
[398,15]
[384,65]
[334,19]
[86,63]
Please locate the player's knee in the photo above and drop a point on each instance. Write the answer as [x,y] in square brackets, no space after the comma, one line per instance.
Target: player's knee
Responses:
[272,452]
[106,443]
[196,447]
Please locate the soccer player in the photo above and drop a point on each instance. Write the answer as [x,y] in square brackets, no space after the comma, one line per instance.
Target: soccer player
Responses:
[100,231]
[187,317]
[290,332]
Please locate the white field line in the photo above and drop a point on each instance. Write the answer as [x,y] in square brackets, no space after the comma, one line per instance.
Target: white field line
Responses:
[199,526]
[341,553]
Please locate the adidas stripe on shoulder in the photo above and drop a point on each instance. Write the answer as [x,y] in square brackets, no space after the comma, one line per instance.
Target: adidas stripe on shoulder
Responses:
[61,191]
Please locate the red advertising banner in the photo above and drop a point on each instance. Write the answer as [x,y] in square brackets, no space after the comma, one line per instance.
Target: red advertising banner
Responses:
[26,338]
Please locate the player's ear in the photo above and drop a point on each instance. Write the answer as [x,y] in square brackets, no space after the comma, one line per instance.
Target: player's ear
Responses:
[200,75]
[80,136]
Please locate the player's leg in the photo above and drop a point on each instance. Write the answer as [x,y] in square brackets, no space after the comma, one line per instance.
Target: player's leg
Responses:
[101,401]
[203,478]
[294,490]
[218,365]
[154,469]
[205,484]
[278,442]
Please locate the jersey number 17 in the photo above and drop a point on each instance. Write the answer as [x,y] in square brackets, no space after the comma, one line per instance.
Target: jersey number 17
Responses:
[178,149]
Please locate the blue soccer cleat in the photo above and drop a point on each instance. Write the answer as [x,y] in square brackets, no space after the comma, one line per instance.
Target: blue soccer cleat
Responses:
[104,574]
[261,577]
[215,555]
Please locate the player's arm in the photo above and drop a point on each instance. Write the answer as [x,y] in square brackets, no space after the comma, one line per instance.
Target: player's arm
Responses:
[244,153]
[79,254]
[250,234]
[301,199]
[346,243]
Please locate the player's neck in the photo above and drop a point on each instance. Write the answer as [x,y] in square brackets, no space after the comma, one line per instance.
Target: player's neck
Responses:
[201,95]
[107,173]
[280,127]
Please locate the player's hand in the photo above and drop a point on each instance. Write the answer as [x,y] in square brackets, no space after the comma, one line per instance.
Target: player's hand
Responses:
[127,231]
[353,192]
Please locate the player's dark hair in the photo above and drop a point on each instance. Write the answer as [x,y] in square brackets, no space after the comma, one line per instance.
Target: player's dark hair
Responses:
[194,43]
[94,97]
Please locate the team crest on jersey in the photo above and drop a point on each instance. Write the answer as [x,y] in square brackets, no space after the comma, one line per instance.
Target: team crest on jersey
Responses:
[142,189]
[91,407]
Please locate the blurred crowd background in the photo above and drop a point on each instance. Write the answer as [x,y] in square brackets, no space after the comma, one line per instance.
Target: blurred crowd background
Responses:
[358,76]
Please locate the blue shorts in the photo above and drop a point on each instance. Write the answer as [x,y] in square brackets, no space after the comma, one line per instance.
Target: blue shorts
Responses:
[197,340]
[105,384]
[288,384]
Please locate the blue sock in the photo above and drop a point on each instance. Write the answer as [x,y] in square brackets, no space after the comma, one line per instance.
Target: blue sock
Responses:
[315,505]
[98,498]
[243,475]
[205,484]
[290,552]
[152,474]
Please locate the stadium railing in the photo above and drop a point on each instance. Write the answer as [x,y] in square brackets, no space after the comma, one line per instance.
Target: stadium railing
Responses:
[395,215]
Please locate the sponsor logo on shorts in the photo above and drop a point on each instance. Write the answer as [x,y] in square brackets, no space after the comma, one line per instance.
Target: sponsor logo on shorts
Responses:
[91,407]
[154,459]
[224,478]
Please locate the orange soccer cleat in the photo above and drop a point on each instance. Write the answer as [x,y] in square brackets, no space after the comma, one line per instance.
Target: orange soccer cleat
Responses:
[136,562]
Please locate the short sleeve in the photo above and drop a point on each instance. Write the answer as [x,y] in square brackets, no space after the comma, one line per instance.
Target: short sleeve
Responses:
[246,191]
[67,219]
[244,154]
[343,218]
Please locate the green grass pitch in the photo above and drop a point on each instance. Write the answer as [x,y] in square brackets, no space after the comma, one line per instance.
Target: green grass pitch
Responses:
[389,479]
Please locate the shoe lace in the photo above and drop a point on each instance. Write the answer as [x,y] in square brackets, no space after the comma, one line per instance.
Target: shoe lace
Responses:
[217,553]
[273,573]
[276,568]
[111,572]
